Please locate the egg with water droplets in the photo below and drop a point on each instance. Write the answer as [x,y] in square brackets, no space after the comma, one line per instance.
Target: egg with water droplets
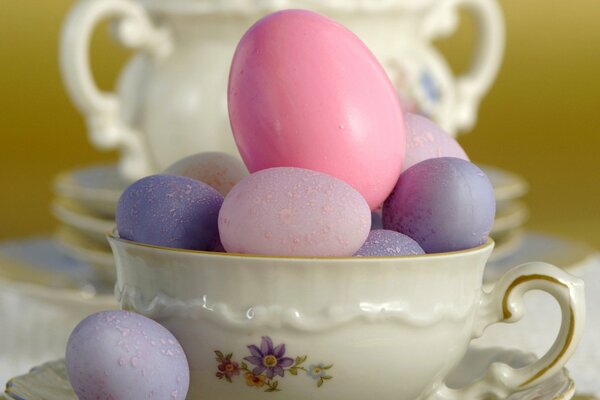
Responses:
[382,242]
[444,204]
[124,355]
[294,212]
[306,92]
[425,140]
[170,211]
[218,170]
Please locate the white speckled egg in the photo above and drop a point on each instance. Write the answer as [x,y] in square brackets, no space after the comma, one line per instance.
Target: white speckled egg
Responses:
[219,170]
[124,355]
[294,212]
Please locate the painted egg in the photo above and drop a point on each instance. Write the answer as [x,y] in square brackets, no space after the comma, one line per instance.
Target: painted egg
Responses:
[294,212]
[170,211]
[445,204]
[123,355]
[305,92]
[218,170]
[381,242]
[425,140]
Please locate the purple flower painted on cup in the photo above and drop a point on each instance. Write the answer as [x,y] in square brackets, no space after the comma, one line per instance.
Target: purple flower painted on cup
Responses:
[268,362]
[268,358]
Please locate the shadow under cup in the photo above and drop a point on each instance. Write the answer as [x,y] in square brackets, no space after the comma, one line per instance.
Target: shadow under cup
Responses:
[317,328]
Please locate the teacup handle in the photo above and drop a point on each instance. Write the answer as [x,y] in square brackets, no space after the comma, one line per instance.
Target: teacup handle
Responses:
[102,110]
[504,303]
[487,58]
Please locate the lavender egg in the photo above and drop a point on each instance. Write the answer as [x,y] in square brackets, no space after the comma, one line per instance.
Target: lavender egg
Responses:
[381,242]
[170,211]
[445,204]
[294,212]
[425,140]
[219,170]
[123,355]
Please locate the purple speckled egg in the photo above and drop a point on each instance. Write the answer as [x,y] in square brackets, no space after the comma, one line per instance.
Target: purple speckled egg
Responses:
[294,212]
[381,242]
[425,140]
[170,211]
[445,204]
[220,170]
[123,355]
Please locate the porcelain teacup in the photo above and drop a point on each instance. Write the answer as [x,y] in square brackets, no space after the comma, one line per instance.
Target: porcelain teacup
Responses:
[390,328]
[170,99]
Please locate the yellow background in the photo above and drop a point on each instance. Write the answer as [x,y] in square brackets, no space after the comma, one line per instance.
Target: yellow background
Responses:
[541,118]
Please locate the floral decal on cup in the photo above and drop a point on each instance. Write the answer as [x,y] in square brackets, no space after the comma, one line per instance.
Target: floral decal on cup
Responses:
[266,364]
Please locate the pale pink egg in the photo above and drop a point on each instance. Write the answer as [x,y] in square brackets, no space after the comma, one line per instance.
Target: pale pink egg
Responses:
[218,170]
[425,140]
[294,212]
[305,92]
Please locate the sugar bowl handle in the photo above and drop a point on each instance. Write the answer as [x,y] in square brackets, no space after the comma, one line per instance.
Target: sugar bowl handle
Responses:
[102,111]
[504,303]
[487,58]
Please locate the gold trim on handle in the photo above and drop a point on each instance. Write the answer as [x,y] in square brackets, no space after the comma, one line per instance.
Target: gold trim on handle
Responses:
[507,314]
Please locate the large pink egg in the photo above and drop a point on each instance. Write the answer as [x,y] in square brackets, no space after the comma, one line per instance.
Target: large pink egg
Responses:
[305,92]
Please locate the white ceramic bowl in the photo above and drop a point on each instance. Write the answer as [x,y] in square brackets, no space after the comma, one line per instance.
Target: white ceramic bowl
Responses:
[338,328]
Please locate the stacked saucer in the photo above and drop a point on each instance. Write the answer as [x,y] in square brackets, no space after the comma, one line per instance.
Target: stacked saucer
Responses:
[84,204]
[511,212]
[43,295]
[86,198]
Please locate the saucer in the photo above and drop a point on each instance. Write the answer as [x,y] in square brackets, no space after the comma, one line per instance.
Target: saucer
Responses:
[87,251]
[510,215]
[570,255]
[80,220]
[43,295]
[507,243]
[507,185]
[50,382]
[96,187]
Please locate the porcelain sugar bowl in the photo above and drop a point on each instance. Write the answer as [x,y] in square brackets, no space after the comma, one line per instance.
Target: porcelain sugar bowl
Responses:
[170,100]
